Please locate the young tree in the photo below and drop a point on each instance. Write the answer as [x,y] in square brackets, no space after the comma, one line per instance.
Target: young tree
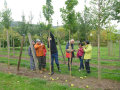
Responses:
[22,27]
[6,21]
[69,15]
[101,13]
[48,12]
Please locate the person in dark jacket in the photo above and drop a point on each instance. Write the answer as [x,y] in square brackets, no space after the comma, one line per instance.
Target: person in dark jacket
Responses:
[70,52]
[32,64]
[54,53]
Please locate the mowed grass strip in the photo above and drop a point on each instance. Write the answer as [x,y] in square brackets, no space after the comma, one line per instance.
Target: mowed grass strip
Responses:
[14,82]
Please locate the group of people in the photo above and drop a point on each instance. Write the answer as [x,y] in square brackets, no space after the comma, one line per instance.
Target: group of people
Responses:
[83,53]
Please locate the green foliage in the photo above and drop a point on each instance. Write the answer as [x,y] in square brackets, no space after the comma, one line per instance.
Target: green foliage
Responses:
[6,18]
[69,15]
[85,24]
[104,13]
[48,12]
[115,10]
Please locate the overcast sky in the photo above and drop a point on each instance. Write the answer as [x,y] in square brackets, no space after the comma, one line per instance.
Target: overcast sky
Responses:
[35,6]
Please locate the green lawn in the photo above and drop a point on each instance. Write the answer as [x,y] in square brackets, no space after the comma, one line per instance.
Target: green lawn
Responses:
[104,55]
[14,82]
[105,72]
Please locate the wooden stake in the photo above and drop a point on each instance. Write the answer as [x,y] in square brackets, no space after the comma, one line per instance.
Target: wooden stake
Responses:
[34,56]
[13,47]
[8,46]
[119,48]
[70,53]
[61,49]
[49,53]
[0,45]
[99,63]
[22,42]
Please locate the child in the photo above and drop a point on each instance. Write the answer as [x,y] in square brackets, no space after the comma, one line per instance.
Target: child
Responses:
[79,55]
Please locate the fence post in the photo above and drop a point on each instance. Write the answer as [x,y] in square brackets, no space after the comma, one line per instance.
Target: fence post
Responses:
[22,42]
[34,56]
[8,46]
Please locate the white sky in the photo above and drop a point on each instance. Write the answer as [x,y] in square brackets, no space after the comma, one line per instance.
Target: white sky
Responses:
[35,6]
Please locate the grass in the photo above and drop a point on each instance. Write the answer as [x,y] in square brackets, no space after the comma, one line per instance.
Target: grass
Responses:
[104,55]
[14,82]
[105,72]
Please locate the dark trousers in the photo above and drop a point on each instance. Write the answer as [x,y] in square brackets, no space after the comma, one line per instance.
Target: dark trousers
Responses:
[40,62]
[32,64]
[54,56]
[69,63]
[87,66]
[81,63]
[44,61]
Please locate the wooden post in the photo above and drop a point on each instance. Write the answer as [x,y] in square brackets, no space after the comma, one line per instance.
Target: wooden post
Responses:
[99,63]
[13,47]
[61,49]
[70,53]
[0,45]
[20,53]
[34,56]
[49,53]
[119,48]
[8,46]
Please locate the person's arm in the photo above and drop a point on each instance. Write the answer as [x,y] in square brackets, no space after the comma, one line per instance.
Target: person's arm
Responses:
[88,49]
[36,47]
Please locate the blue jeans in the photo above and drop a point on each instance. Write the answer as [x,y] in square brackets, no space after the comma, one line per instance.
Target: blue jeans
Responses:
[81,63]
[54,56]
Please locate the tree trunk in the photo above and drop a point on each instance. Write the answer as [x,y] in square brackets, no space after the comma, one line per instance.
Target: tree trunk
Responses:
[0,46]
[61,52]
[108,48]
[99,63]
[8,46]
[34,56]
[20,53]
[13,47]
[119,48]
[49,53]
[70,55]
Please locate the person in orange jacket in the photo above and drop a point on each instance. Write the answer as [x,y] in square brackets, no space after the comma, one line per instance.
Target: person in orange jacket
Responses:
[39,53]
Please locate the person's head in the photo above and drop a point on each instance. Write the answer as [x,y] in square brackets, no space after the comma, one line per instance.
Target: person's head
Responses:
[33,43]
[87,42]
[38,41]
[80,45]
[72,41]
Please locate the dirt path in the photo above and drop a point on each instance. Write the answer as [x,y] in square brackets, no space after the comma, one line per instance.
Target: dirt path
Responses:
[93,83]
[74,63]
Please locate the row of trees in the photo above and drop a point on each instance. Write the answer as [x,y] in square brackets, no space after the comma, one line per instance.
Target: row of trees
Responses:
[81,25]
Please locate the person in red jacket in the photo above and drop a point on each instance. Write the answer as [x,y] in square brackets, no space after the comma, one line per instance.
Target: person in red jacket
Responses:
[80,53]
